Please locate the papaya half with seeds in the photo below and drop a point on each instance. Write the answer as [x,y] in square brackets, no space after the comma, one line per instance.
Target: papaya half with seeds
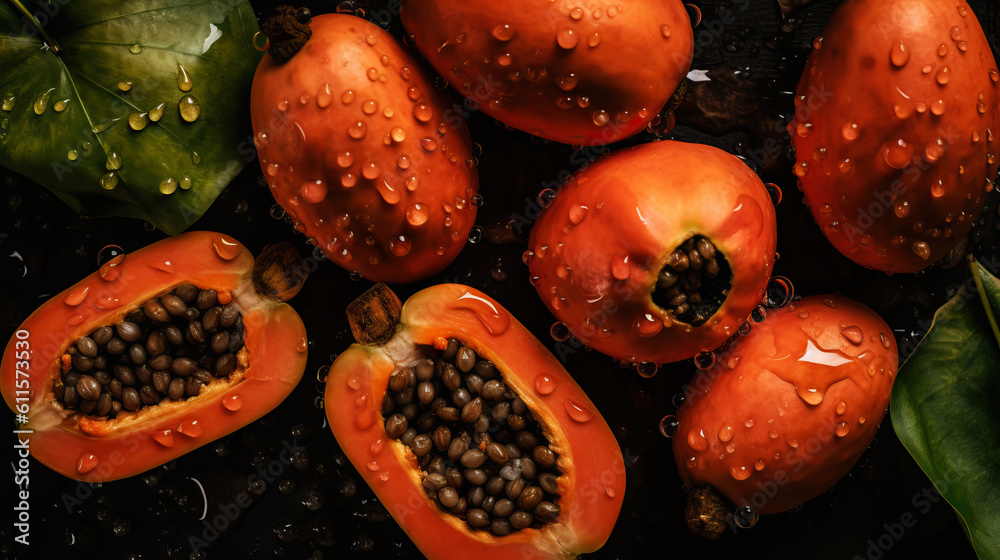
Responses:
[159,352]
[470,432]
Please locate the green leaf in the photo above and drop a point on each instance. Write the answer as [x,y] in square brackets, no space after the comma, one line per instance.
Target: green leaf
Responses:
[945,408]
[64,116]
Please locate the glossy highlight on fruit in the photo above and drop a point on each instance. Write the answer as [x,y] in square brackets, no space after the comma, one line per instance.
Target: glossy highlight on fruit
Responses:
[624,254]
[576,73]
[99,448]
[789,408]
[364,153]
[591,480]
[896,174]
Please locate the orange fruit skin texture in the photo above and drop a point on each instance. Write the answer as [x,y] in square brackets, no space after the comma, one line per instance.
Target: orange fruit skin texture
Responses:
[896,130]
[789,408]
[597,250]
[365,154]
[575,73]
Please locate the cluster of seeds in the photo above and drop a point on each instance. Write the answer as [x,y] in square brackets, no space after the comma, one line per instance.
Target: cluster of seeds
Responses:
[170,347]
[694,282]
[484,456]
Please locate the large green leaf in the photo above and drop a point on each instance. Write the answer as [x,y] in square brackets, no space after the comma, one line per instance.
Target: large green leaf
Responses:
[64,108]
[946,408]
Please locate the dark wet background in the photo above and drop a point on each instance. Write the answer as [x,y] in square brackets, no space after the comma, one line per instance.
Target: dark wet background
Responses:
[317,506]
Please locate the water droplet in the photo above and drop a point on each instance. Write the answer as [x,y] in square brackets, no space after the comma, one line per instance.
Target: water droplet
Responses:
[620,268]
[646,369]
[313,191]
[601,118]
[189,108]
[758,314]
[937,190]
[546,197]
[190,428]
[740,473]
[60,106]
[779,292]
[503,32]
[357,130]
[495,319]
[86,463]
[694,13]
[559,331]
[183,80]
[10,99]
[897,153]
[544,384]
[114,161]
[853,334]
[849,131]
[567,39]
[726,433]
[746,516]
[399,245]
[668,426]
[647,325]
[921,249]
[398,134]
[577,412]
[943,75]
[347,97]
[955,33]
[476,234]
[369,107]
[704,360]
[994,75]
[138,121]
[232,402]
[899,55]
[163,437]
[157,112]
[841,407]
[902,209]
[168,186]
[801,169]
[109,181]
[226,247]
[841,429]
[416,214]
[937,107]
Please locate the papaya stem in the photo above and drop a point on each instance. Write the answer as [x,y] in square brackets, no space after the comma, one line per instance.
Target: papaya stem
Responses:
[279,272]
[707,513]
[374,315]
[53,45]
[287,30]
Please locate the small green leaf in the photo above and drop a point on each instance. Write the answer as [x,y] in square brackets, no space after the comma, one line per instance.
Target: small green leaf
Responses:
[945,408]
[99,117]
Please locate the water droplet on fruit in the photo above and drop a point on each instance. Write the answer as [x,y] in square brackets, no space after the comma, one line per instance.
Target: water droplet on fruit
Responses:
[400,246]
[496,320]
[189,108]
[668,426]
[779,292]
[163,437]
[503,32]
[593,40]
[567,39]
[849,131]
[577,412]
[190,428]
[665,31]
[853,334]
[943,75]
[902,209]
[77,296]
[842,429]
[357,130]
[226,247]
[544,384]
[647,325]
[740,473]
[937,107]
[601,118]
[86,463]
[899,55]
[232,402]
[369,107]
[398,134]
[620,268]
[897,153]
[921,249]
[726,433]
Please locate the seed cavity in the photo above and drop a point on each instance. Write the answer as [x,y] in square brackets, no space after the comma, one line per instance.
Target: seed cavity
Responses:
[694,281]
[483,456]
[166,350]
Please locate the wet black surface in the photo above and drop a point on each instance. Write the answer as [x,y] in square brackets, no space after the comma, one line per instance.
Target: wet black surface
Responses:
[281,487]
